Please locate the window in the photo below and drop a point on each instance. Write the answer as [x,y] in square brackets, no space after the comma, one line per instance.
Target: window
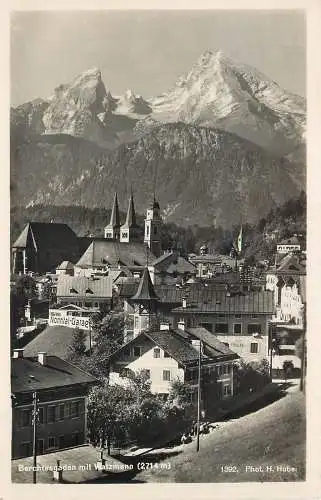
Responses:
[127,351]
[219,370]
[109,235]
[226,390]
[147,373]
[253,328]
[61,412]
[52,442]
[237,328]
[25,418]
[125,373]
[147,230]
[166,355]
[166,375]
[254,347]
[253,316]
[51,414]
[226,369]
[75,410]
[137,351]
[238,316]
[155,230]
[124,235]
[227,344]
[136,322]
[221,328]
[157,352]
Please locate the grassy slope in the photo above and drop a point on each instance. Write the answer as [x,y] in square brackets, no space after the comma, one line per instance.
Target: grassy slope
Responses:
[274,435]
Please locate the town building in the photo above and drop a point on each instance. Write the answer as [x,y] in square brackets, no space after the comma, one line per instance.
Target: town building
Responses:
[239,319]
[93,293]
[171,268]
[166,355]
[41,247]
[61,390]
[289,245]
[287,279]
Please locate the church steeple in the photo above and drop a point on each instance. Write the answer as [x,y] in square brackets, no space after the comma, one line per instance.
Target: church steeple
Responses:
[112,229]
[145,304]
[152,228]
[128,230]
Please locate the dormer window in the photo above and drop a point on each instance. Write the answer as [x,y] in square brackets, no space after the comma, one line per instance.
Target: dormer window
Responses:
[89,291]
[72,290]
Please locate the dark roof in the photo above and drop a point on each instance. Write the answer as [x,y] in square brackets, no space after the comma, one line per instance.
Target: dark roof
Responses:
[145,291]
[54,340]
[113,253]
[80,286]
[172,262]
[212,345]
[173,343]
[46,235]
[177,344]
[27,374]
[114,216]
[219,302]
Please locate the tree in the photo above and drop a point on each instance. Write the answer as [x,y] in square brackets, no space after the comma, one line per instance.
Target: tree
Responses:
[288,368]
[77,347]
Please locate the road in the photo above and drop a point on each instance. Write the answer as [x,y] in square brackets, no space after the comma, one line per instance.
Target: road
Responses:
[265,445]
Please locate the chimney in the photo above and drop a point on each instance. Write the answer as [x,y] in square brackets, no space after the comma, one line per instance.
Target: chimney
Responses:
[42,358]
[181,325]
[17,353]
[184,303]
[164,325]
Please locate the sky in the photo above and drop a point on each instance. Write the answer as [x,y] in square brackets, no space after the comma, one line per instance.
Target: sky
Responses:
[147,51]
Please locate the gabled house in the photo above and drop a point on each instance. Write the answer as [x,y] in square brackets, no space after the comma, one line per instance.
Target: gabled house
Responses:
[166,355]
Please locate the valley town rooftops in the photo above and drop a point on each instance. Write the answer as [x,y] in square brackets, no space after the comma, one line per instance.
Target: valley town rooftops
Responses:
[113,253]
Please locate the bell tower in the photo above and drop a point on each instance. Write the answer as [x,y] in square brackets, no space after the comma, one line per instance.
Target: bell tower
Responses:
[112,230]
[153,222]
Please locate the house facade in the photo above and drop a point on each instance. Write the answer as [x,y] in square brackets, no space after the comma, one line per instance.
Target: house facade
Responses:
[90,293]
[239,320]
[61,390]
[167,355]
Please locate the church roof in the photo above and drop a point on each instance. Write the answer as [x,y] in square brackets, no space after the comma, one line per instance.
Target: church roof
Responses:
[46,235]
[145,291]
[109,252]
[114,216]
[131,215]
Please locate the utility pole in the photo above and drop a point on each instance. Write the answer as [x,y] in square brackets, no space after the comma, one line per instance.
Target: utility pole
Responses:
[199,397]
[34,425]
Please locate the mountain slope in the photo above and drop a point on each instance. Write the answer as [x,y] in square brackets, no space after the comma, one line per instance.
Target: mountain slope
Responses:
[219,92]
[201,175]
